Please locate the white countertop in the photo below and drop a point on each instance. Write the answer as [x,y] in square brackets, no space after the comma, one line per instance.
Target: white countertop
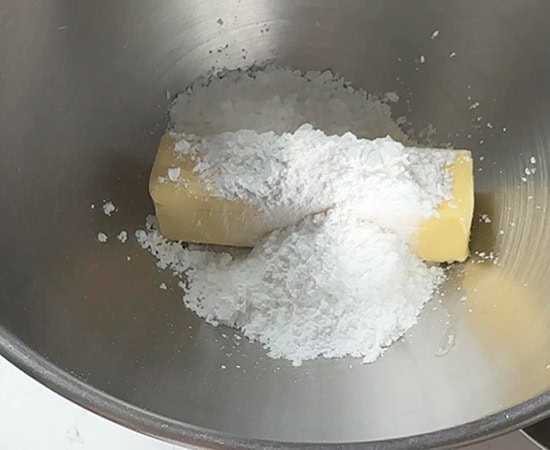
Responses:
[35,417]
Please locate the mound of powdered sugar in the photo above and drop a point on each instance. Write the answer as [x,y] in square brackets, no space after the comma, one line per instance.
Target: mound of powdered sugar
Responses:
[292,175]
[332,284]
[281,100]
[329,286]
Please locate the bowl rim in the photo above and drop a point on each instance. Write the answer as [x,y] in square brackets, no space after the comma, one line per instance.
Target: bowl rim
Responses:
[171,430]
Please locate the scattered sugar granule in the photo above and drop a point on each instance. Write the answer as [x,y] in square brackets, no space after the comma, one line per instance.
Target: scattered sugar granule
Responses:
[452,54]
[102,237]
[422,59]
[109,208]
[122,236]
[434,34]
[128,258]
[533,160]
[174,173]
[484,218]
[391,97]
[163,286]
[92,206]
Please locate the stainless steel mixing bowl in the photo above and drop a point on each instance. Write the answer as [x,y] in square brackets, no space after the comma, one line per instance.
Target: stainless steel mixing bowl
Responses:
[83,101]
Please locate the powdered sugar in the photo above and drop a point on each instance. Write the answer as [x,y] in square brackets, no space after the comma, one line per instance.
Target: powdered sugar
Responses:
[102,237]
[281,100]
[122,236]
[109,208]
[292,175]
[330,283]
[329,286]
[174,173]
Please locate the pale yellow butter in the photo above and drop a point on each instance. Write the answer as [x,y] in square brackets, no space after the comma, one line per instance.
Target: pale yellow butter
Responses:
[187,211]
[445,236]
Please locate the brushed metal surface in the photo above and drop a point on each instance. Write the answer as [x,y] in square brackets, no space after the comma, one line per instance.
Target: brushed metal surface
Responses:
[82,105]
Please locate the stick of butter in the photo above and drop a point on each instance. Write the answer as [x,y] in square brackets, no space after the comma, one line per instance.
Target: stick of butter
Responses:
[187,211]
